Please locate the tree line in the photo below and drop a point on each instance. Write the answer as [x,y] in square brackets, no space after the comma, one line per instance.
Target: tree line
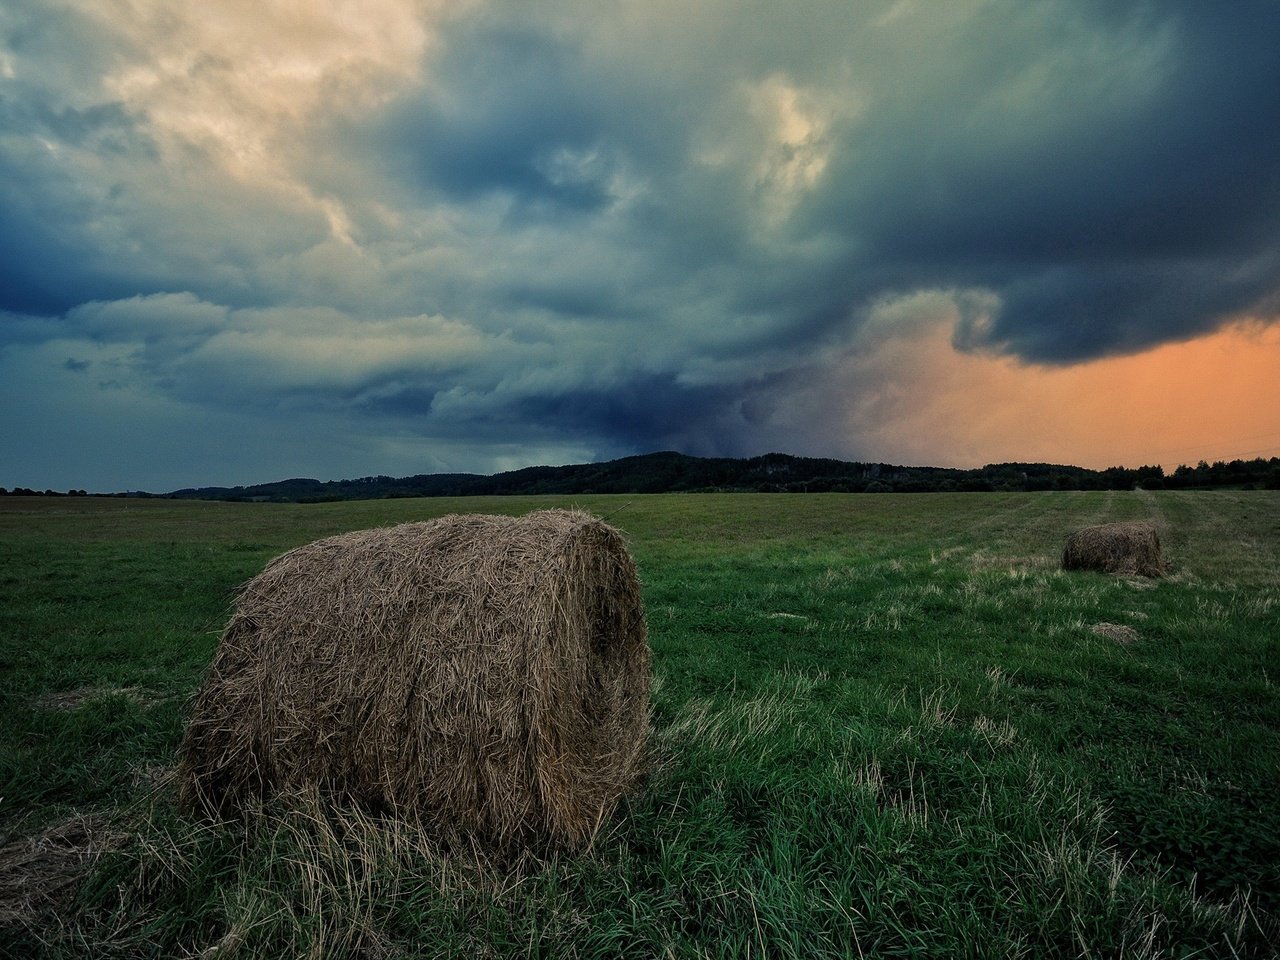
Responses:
[771,473]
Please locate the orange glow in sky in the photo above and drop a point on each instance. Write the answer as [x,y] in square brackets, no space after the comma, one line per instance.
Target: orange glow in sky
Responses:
[1216,397]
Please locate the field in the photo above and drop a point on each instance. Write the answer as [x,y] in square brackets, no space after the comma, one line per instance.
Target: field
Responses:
[882,727]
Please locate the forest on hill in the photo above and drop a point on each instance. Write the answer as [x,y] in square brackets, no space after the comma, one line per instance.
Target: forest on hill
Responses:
[772,473]
[671,472]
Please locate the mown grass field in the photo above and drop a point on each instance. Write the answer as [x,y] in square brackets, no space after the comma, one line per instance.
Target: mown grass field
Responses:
[882,728]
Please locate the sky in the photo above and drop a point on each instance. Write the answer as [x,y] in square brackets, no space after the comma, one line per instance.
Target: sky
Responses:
[254,239]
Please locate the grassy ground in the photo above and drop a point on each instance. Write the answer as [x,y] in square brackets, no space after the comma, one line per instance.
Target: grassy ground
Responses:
[883,728]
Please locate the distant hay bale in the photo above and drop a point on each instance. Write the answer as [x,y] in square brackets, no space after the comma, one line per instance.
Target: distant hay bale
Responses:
[1123,548]
[486,675]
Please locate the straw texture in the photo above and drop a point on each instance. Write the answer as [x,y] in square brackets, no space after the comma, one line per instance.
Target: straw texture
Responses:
[1122,548]
[487,675]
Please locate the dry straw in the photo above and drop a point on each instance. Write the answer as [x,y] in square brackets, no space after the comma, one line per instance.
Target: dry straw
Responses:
[41,873]
[1116,631]
[1124,548]
[488,676]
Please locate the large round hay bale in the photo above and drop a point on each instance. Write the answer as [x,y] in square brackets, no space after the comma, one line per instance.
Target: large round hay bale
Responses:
[1123,548]
[487,675]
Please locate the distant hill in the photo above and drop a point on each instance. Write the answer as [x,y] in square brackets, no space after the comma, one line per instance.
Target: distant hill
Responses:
[775,472]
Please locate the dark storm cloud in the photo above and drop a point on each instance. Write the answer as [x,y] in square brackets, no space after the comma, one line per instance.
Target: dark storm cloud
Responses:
[590,233]
[49,265]
[1110,215]
[1109,173]
[514,118]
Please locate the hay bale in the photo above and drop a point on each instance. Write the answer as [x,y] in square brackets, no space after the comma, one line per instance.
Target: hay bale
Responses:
[1123,548]
[486,675]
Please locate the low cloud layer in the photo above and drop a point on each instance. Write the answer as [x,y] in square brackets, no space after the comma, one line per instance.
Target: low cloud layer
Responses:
[249,240]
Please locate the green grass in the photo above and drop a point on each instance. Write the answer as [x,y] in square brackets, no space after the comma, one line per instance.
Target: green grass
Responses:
[883,728]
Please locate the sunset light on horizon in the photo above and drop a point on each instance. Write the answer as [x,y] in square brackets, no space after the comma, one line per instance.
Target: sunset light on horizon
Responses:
[1214,398]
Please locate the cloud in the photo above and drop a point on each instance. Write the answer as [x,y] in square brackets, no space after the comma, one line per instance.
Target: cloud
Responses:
[155,317]
[476,226]
[910,394]
[86,401]
[1112,184]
